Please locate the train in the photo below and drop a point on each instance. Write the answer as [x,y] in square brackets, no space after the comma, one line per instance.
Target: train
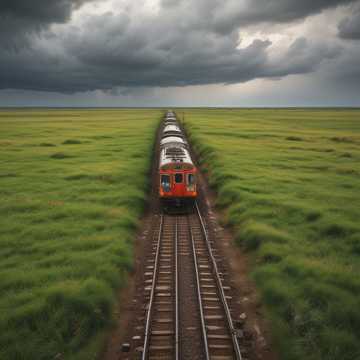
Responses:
[177,172]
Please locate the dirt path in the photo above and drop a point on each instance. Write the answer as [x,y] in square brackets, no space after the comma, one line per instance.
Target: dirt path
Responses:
[131,311]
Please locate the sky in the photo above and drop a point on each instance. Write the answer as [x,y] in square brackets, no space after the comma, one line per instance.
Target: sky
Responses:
[180,53]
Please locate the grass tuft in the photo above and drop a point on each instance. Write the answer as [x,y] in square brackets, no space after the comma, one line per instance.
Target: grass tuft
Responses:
[77,177]
[335,230]
[294,138]
[272,252]
[72,142]
[346,155]
[252,234]
[313,215]
[342,139]
[46,144]
[60,155]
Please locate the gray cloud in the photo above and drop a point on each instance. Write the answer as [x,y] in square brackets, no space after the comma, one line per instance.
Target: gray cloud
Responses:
[186,43]
[225,16]
[21,18]
[139,56]
[349,28]
[304,56]
[39,11]
[284,10]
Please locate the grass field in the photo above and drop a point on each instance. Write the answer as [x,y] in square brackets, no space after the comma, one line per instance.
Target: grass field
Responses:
[72,188]
[289,181]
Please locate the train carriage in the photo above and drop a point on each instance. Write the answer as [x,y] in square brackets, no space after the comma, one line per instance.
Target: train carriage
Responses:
[171,130]
[177,176]
[173,141]
[170,121]
[171,127]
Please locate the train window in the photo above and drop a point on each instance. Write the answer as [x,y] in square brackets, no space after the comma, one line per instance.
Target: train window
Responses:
[191,182]
[165,182]
[178,178]
[191,179]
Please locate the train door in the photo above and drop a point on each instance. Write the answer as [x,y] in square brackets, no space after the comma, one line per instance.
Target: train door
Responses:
[178,187]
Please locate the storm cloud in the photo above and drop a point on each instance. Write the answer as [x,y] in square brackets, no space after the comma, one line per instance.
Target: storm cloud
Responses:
[73,46]
[224,16]
[21,18]
[349,27]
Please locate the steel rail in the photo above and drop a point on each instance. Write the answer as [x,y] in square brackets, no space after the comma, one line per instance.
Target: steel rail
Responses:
[176,293]
[152,294]
[220,288]
[202,318]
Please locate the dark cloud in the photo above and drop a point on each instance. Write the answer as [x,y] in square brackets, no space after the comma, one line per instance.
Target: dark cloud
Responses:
[349,28]
[185,43]
[39,11]
[225,16]
[21,18]
[143,53]
[284,10]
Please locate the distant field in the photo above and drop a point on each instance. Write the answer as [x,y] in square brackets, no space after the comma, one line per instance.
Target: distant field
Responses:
[72,187]
[290,183]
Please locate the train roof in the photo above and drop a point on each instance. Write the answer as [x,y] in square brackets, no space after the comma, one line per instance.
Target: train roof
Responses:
[174,128]
[173,139]
[174,154]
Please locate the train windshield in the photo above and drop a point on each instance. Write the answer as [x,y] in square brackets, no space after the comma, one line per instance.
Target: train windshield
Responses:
[165,182]
[178,178]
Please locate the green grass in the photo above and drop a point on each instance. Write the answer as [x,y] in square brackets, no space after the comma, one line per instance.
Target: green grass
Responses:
[289,182]
[72,188]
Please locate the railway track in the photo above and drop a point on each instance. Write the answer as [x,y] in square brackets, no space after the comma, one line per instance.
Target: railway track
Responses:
[161,327]
[187,315]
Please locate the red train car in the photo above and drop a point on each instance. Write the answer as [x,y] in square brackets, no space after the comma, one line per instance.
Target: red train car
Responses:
[177,173]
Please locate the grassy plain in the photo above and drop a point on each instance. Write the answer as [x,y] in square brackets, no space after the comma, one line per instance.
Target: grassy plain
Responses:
[289,181]
[72,187]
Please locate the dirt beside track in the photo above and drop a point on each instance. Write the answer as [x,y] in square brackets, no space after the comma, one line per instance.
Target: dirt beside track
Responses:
[244,301]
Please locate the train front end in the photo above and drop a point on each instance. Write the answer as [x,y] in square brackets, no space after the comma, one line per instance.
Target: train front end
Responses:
[177,184]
